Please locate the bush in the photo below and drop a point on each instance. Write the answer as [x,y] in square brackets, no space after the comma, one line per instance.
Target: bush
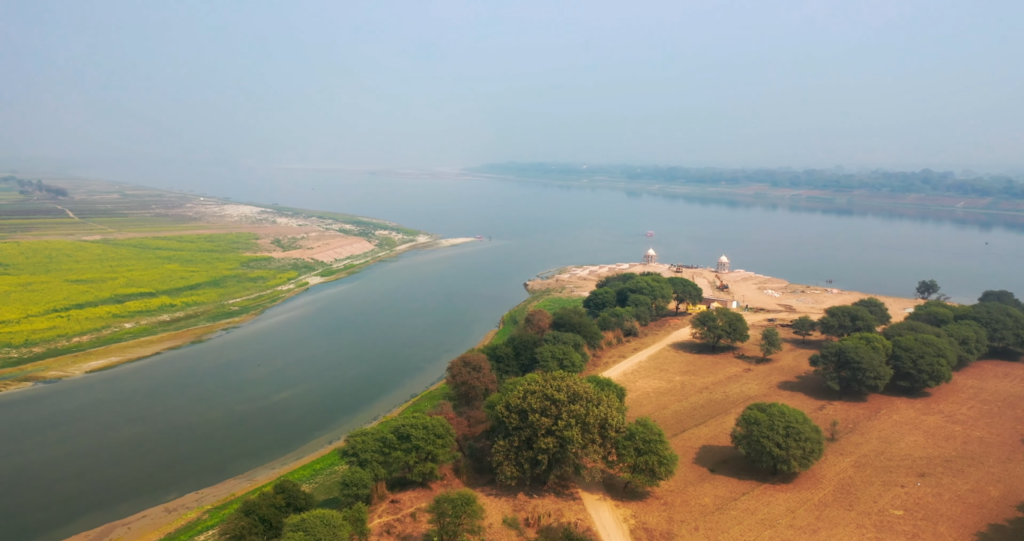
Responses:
[537,322]
[643,454]
[455,515]
[355,486]
[720,325]
[470,378]
[551,427]
[263,515]
[559,358]
[317,525]
[876,308]
[777,437]
[575,320]
[920,361]
[852,365]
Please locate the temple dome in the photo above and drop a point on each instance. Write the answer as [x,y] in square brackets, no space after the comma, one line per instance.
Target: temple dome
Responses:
[723,259]
[651,252]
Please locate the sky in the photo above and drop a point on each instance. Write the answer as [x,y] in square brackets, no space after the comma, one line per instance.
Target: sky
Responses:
[94,86]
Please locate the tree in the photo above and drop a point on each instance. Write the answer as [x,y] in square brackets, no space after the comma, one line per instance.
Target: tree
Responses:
[574,341]
[932,313]
[608,385]
[599,300]
[355,486]
[771,342]
[317,525]
[643,454]
[455,516]
[617,318]
[358,519]
[920,361]
[409,446]
[876,308]
[777,437]
[971,340]
[262,516]
[907,328]
[653,286]
[574,319]
[1004,325]
[502,358]
[537,322]
[1002,297]
[927,288]
[685,291]
[470,379]
[840,321]
[550,427]
[559,358]
[720,325]
[804,326]
[875,341]
[852,365]
[640,306]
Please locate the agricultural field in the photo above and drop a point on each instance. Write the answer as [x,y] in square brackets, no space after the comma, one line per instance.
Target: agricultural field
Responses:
[944,464]
[56,290]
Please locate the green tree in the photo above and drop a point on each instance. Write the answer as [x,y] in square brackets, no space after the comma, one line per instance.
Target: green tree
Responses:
[608,385]
[853,365]
[316,525]
[873,340]
[771,342]
[551,427]
[685,291]
[1003,324]
[599,300]
[640,306]
[653,286]
[1002,297]
[927,288]
[934,313]
[262,516]
[574,341]
[971,340]
[876,308]
[643,454]
[559,358]
[840,321]
[355,486]
[409,446]
[617,318]
[574,319]
[502,358]
[720,325]
[907,328]
[470,379]
[455,516]
[777,437]
[358,518]
[920,361]
[804,326]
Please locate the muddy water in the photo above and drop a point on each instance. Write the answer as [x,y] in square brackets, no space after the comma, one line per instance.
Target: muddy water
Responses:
[79,453]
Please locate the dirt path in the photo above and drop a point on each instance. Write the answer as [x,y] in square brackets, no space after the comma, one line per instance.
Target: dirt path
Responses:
[621,368]
[609,523]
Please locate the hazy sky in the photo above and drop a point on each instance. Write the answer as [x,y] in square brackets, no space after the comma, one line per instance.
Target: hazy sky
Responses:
[420,83]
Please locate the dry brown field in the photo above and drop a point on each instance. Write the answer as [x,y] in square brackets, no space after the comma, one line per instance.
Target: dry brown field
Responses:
[943,464]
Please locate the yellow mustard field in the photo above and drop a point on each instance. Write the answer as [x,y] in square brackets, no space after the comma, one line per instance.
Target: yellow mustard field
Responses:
[52,290]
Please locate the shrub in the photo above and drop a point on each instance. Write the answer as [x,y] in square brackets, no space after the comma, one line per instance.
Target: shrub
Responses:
[771,342]
[317,525]
[777,437]
[455,515]
[355,486]
[920,361]
[537,322]
[643,454]
[559,358]
[574,320]
[263,515]
[575,341]
[358,519]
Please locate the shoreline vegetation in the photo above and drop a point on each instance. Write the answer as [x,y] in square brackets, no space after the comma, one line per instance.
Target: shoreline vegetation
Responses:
[116,273]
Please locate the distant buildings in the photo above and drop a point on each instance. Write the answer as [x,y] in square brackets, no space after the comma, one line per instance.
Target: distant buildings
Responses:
[723,264]
[650,257]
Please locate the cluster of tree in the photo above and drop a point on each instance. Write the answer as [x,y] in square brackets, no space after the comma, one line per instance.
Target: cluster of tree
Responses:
[917,353]
[549,342]
[29,187]
[286,512]
[778,438]
[624,300]
[925,181]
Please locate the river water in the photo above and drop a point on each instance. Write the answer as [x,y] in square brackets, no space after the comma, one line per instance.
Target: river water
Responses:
[82,452]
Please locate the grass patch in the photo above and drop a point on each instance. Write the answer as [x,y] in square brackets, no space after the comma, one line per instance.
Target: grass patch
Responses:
[427,400]
[544,300]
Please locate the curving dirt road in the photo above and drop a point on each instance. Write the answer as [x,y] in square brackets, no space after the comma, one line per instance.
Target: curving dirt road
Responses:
[621,368]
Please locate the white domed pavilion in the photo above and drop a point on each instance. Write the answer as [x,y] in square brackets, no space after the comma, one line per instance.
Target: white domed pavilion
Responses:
[723,264]
[650,257]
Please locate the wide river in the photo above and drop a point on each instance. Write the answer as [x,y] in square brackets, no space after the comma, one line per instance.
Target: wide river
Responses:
[82,452]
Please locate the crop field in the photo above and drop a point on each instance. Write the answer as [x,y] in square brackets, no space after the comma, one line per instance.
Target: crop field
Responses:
[945,464]
[54,290]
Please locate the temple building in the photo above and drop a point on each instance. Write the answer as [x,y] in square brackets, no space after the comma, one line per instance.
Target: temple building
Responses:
[650,257]
[723,264]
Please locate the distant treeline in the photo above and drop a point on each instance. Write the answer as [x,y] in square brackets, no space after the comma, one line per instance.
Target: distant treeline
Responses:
[924,181]
[29,187]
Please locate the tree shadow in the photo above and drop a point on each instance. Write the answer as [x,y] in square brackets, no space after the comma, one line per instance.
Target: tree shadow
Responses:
[698,348]
[1003,354]
[752,359]
[810,345]
[1011,530]
[899,392]
[813,386]
[727,461]
[616,489]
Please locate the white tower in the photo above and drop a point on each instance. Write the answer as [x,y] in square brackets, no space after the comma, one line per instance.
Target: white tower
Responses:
[723,264]
[650,257]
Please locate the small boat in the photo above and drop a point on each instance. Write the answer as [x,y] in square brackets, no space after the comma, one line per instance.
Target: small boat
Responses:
[479,237]
[650,233]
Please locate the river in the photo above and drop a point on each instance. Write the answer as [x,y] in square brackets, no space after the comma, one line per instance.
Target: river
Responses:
[82,452]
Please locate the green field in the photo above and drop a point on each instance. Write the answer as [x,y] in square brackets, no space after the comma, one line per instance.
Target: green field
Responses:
[54,290]
[544,300]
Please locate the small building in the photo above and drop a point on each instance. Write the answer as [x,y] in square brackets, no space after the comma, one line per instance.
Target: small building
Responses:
[710,303]
[723,264]
[650,257]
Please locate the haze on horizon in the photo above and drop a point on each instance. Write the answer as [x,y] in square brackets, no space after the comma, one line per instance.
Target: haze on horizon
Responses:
[127,87]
